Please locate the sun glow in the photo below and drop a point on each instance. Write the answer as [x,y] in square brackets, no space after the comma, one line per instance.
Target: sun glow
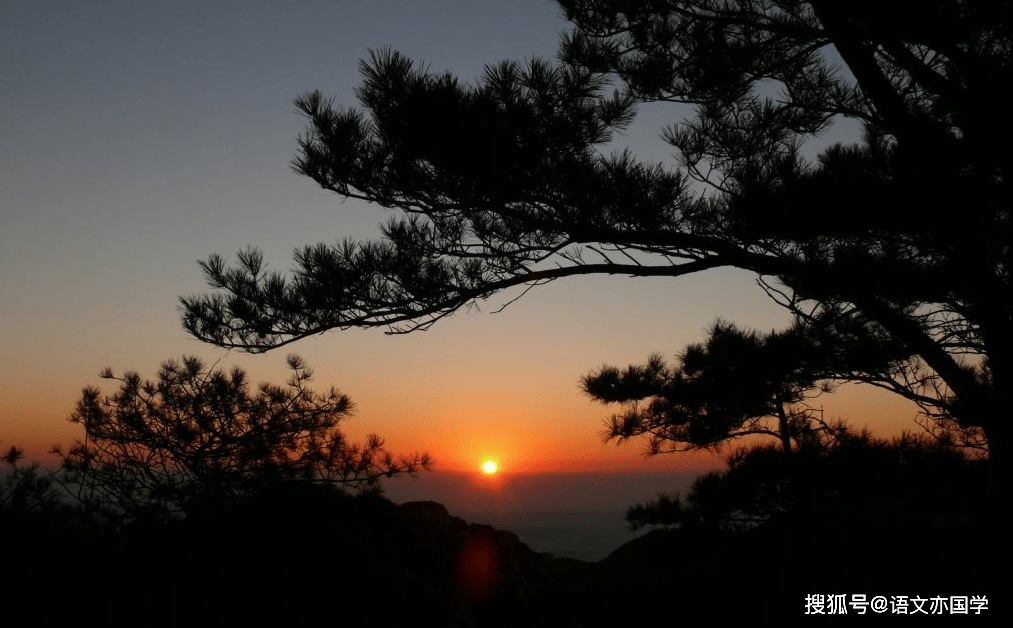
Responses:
[489,467]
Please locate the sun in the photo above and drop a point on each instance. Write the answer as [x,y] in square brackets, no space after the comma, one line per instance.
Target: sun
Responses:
[489,467]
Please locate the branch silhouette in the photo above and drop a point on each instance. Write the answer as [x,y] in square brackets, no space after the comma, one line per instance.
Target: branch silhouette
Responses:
[504,183]
[197,438]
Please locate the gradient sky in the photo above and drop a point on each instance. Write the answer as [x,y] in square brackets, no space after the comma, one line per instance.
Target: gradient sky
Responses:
[139,137]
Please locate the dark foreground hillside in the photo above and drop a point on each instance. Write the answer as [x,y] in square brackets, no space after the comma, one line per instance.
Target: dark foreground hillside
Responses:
[297,555]
[306,556]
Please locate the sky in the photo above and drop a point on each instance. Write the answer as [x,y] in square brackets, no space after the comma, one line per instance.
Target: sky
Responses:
[139,137]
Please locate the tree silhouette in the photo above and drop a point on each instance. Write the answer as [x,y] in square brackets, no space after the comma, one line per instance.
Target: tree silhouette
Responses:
[859,512]
[24,489]
[843,482]
[736,384]
[901,238]
[198,438]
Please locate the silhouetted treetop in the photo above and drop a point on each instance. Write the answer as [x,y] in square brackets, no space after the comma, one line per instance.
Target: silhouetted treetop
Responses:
[196,437]
[24,489]
[841,483]
[736,384]
[900,239]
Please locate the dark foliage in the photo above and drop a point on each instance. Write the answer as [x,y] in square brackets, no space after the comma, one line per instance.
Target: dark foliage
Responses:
[24,489]
[902,237]
[196,439]
[859,516]
[852,481]
[736,384]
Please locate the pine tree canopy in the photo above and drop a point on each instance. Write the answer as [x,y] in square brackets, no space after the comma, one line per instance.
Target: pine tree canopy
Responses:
[899,241]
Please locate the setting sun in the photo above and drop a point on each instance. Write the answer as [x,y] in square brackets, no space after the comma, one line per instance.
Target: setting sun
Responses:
[489,466]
